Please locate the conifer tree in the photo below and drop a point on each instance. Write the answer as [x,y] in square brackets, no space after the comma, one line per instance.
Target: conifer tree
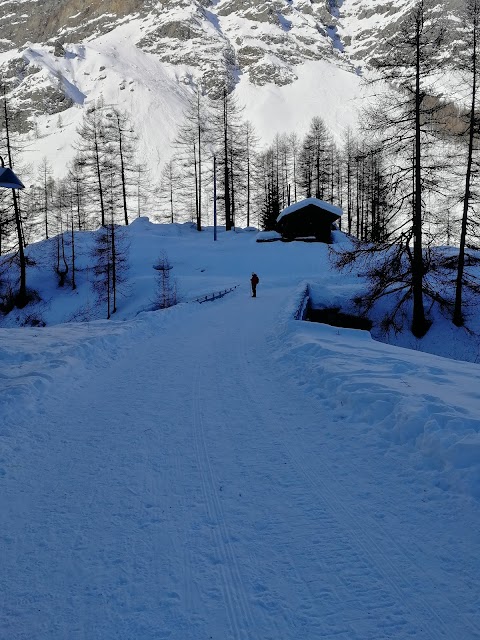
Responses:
[229,150]
[190,145]
[468,61]
[404,124]
[122,152]
[314,156]
[110,256]
[21,296]
[94,157]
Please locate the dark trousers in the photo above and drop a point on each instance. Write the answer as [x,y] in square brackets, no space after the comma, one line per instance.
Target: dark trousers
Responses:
[254,290]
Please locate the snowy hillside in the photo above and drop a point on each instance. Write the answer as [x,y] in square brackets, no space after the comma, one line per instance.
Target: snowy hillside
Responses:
[155,96]
[222,470]
[285,61]
[202,267]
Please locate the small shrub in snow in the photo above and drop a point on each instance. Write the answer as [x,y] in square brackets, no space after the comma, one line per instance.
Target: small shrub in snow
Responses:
[166,293]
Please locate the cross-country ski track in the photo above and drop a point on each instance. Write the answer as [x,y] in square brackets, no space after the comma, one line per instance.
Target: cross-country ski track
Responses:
[176,480]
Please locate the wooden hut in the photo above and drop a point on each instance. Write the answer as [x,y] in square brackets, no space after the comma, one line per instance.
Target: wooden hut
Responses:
[311,219]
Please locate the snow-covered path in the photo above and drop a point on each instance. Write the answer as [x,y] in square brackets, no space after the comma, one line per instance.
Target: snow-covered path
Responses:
[188,488]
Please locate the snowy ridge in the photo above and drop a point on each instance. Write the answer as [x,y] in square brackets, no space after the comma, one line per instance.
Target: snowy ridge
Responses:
[34,360]
[404,401]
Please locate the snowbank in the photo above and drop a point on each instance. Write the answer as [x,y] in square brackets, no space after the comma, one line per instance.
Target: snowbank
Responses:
[419,408]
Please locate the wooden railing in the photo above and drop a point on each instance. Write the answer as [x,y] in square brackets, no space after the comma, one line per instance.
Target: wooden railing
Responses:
[215,296]
[301,310]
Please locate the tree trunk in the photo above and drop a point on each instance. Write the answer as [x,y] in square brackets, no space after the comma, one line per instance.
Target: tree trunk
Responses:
[199,216]
[196,184]
[74,284]
[99,179]
[122,170]
[457,313]
[21,297]
[114,268]
[248,191]
[419,323]
[228,220]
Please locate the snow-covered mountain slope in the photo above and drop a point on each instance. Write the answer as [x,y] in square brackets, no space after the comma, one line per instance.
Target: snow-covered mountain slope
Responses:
[288,60]
[154,93]
[365,25]
[219,40]
[221,470]
[111,69]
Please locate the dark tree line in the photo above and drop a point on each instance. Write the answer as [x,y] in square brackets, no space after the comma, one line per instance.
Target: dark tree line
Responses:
[100,188]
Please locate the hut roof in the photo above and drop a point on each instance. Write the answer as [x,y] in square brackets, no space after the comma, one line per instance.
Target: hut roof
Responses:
[334,211]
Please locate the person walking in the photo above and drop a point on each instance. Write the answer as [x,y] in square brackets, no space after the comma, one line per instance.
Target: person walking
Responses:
[254,280]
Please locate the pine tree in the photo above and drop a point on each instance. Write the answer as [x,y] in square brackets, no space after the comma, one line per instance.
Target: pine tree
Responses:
[94,157]
[405,125]
[21,297]
[78,181]
[190,145]
[314,157]
[46,183]
[166,294]
[470,226]
[122,150]
[61,206]
[168,189]
[110,256]
[227,126]
[271,196]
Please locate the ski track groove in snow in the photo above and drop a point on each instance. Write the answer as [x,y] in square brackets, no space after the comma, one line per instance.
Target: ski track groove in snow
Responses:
[391,545]
[232,584]
[332,496]
[193,498]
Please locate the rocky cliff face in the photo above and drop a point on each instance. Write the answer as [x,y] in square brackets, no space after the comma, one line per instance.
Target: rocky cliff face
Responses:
[210,42]
[217,39]
[70,20]
[365,25]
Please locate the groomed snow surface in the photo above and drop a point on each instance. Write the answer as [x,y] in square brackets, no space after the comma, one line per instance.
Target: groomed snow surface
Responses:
[223,471]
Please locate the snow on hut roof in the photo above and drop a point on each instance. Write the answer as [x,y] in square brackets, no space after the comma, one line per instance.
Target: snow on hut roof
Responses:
[321,204]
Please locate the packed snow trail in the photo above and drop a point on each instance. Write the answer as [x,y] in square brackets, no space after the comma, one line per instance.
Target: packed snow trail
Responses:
[187,488]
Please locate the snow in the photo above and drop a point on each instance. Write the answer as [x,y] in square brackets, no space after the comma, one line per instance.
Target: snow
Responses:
[268,236]
[137,82]
[225,471]
[322,89]
[307,201]
[54,68]
[155,95]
